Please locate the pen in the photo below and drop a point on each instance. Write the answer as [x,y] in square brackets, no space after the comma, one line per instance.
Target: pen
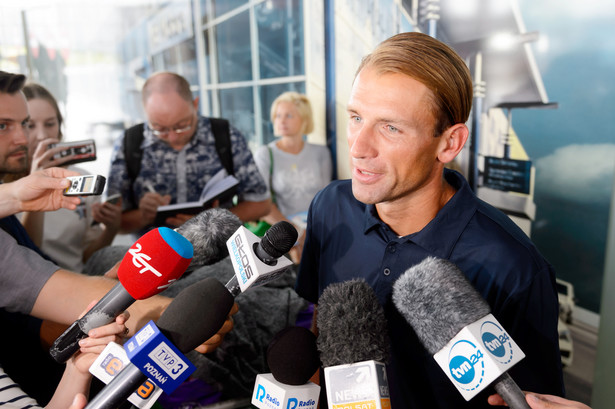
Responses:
[149,187]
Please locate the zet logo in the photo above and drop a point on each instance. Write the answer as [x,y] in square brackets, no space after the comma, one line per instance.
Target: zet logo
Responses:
[141,260]
[496,342]
[466,365]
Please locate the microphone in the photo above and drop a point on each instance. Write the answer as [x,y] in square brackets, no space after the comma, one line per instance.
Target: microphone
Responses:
[129,379]
[208,232]
[151,264]
[194,316]
[258,261]
[292,357]
[354,346]
[454,323]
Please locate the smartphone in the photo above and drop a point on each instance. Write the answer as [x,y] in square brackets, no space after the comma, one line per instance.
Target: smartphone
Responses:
[86,185]
[80,151]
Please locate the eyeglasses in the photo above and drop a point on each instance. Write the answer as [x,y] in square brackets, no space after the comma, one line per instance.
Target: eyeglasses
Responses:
[165,131]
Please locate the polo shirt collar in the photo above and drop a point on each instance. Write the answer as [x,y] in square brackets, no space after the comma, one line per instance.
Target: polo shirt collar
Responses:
[441,234]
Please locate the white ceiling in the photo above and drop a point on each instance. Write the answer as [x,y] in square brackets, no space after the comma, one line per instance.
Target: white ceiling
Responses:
[511,75]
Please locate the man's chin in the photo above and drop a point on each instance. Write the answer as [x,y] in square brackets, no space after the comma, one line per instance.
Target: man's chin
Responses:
[364,194]
[14,169]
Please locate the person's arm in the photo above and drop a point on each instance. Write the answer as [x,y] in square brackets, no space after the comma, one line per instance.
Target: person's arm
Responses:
[539,401]
[40,191]
[66,294]
[76,378]
[249,211]
[34,223]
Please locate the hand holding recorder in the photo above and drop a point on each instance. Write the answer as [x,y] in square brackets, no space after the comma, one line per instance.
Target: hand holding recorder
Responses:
[37,192]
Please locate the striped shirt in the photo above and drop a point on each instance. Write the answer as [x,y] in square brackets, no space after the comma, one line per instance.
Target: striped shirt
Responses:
[11,395]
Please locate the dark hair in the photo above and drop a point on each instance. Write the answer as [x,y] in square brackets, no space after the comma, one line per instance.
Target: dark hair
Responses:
[435,65]
[11,83]
[37,91]
[165,81]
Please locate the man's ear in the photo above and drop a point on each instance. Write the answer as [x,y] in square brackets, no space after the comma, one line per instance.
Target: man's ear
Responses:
[195,102]
[453,140]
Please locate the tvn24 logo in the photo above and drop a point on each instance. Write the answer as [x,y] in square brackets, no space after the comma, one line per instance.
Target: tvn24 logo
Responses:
[467,360]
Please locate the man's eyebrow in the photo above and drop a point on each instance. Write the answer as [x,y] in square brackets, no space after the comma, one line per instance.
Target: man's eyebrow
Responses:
[15,120]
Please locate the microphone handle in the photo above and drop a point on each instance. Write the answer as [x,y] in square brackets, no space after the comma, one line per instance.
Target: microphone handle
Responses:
[119,389]
[233,286]
[104,312]
[263,255]
[510,392]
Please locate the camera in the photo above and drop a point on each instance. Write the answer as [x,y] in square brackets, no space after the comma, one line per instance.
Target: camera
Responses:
[80,151]
[87,185]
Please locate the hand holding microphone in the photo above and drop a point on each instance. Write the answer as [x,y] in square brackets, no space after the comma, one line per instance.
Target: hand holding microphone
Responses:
[151,264]
[453,322]
[193,316]
[200,310]
[200,241]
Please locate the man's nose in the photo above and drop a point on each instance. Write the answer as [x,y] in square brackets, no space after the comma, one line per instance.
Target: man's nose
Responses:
[362,143]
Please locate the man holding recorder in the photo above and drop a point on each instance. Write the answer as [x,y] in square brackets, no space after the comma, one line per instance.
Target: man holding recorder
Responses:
[28,283]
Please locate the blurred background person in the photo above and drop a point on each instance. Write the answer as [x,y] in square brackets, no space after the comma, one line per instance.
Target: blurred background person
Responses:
[293,169]
[176,154]
[69,237]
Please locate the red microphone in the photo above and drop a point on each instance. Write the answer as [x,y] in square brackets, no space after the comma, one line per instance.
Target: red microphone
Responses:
[151,264]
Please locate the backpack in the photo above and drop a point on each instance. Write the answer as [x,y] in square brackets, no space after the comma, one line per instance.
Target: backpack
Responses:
[133,153]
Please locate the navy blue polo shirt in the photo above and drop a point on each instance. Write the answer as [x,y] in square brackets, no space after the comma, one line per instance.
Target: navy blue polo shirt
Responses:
[346,239]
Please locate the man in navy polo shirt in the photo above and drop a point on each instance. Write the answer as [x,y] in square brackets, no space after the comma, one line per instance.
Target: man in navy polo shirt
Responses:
[406,120]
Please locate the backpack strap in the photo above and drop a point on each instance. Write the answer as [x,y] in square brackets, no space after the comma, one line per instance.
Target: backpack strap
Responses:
[271,174]
[222,134]
[133,137]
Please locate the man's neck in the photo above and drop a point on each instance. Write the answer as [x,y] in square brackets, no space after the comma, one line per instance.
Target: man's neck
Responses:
[411,214]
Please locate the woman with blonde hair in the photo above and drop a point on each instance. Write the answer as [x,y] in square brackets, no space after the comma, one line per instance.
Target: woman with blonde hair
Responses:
[293,169]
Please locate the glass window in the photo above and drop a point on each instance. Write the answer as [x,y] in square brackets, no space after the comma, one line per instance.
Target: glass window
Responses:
[220,7]
[236,105]
[268,93]
[233,44]
[180,59]
[280,37]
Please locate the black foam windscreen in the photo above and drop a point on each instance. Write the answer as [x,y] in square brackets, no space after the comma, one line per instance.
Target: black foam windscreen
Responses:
[208,232]
[437,300]
[196,314]
[292,356]
[279,239]
[351,323]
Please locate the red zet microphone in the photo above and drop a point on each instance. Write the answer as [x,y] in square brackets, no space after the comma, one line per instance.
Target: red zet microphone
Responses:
[153,263]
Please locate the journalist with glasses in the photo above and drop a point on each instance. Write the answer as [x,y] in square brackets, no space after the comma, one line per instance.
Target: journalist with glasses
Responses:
[169,158]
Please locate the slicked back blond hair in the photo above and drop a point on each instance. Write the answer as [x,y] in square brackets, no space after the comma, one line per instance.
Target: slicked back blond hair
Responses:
[435,65]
